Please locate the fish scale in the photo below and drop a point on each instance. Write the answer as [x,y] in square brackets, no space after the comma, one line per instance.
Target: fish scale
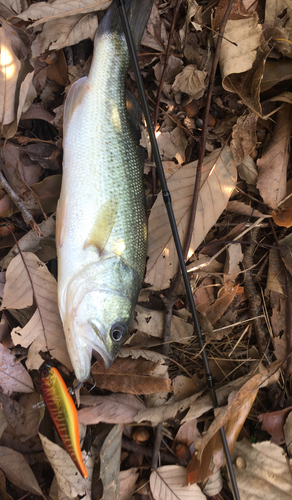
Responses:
[101,219]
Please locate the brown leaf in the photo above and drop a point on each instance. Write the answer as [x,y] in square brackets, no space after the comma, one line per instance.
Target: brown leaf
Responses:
[110,463]
[128,479]
[218,178]
[264,473]
[240,208]
[282,218]
[13,376]
[242,401]
[242,64]
[69,478]
[273,164]
[170,483]
[215,311]
[275,72]
[204,295]
[274,422]
[188,434]
[113,409]
[244,137]
[191,81]
[17,470]
[132,376]
[44,330]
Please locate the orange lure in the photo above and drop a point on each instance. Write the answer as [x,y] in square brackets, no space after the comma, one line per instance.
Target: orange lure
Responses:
[63,413]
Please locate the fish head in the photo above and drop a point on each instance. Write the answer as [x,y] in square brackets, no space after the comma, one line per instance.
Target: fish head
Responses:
[97,318]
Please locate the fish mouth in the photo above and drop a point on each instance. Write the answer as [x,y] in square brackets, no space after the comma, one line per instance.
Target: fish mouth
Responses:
[99,346]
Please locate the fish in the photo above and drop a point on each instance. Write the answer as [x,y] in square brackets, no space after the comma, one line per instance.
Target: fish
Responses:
[101,226]
[63,413]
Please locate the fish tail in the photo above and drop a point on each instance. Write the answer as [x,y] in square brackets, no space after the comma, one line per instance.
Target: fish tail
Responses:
[138,13]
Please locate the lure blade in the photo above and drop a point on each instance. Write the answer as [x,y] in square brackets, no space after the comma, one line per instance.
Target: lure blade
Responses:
[63,413]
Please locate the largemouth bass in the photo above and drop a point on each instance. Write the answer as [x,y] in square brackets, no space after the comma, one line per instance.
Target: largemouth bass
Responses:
[101,219]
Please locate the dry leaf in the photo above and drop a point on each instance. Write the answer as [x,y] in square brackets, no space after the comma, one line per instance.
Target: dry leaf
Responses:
[236,412]
[191,81]
[188,434]
[244,137]
[68,477]
[113,409]
[236,61]
[151,322]
[183,387]
[45,12]
[13,376]
[172,145]
[282,218]
[218,181]
[262,471]
[44,330]
[64,32]
[274,422]
[273,164]
[240,208]
[248,170]
[288,433]
[214,484]
[170,483]
[234,257]
[110,463]
[17,470]
[132,376]
[43,247]
[128,479]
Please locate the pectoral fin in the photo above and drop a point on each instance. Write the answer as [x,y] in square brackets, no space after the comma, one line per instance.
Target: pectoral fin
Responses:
[73,99]
[103,226]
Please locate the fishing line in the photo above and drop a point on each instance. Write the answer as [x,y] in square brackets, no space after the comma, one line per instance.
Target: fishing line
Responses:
[168,204]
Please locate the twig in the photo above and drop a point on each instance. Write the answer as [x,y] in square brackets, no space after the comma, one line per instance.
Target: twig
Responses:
[27,217]
[254,298]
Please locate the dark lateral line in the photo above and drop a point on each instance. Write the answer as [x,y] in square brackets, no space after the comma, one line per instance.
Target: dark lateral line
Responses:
[167,201]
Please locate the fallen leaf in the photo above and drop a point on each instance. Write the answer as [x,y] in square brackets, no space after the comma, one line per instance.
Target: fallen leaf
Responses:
[172,145]
[214,484]
[64,32]
[218,181]
[244,137]
[110,463]
[17,470]
[13,376]
[275,72]
[240,208]
[262,469]
[44,330]
[3,493]
[216,310]
[191,81]
[248,171]
[132,376]
[273,163]
[113,409]
[188,434]
[183,387]
[170,483]
[237,61]
[10,67]
[45,12]
[236,412]
[282,218]
[151,322]
[43,247]
[273,423]
[234,257]
[128,479]
[68,477]
[288,433]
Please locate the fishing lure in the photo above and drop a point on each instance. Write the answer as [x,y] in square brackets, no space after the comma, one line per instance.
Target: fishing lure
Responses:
[63,413]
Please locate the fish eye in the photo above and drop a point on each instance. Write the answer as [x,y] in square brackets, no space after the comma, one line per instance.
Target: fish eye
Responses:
[118,332]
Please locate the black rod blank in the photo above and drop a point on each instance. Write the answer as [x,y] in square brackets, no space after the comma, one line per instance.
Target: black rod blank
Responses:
[167,201]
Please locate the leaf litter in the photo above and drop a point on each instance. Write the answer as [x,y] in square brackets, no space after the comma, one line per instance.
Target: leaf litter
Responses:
[245,184]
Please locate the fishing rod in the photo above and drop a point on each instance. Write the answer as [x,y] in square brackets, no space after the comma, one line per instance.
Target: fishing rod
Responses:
[176,238]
